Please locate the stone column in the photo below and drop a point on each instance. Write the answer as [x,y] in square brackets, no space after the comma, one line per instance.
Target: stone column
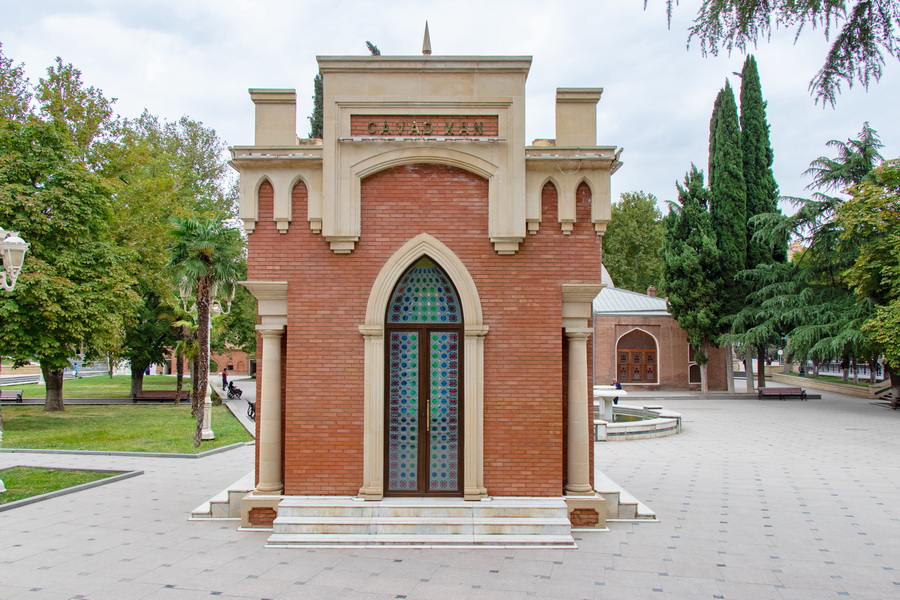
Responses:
[269,409]
[578,476]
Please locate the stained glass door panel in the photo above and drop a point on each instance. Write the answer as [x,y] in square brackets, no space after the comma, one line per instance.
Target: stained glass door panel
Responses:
[403,412]
[443,417]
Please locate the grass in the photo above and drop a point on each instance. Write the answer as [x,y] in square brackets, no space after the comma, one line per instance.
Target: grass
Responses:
[25,482]
[117,386]
[121,428]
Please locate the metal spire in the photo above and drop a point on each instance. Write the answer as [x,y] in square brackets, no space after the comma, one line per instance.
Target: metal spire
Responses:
[426,43]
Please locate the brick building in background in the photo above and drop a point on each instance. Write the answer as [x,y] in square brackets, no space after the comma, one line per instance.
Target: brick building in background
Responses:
[425,281]
[639,344]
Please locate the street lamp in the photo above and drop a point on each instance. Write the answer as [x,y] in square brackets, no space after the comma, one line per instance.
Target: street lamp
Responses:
[12,255]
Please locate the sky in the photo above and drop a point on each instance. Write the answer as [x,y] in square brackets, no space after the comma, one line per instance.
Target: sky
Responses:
[199,57]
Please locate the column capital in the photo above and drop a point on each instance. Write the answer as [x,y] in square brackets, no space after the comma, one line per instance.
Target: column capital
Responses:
[578,333]
[270,330]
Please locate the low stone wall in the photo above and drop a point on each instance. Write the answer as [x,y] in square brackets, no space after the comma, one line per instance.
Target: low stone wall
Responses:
[666,423]
[828,386]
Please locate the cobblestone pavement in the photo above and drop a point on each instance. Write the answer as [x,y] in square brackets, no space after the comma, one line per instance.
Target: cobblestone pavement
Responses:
[757,500]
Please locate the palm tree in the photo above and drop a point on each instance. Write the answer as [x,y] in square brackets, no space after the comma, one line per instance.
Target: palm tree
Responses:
[204,259]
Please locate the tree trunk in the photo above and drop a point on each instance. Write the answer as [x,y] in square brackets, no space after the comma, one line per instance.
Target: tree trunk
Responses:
[729,367]
[201,382]
[788,361]
[872,363]
[761,366]
[845,368]
[855,372]
[54,382]
[109,366]
[137,379]
[704,384]
[179,374]
[748,368]
[816,363]
[895,385]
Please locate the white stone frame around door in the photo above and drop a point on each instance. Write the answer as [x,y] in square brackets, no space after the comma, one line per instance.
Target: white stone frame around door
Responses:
[473,365]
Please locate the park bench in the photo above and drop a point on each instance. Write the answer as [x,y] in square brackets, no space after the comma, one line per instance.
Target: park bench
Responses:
[11,395]
[782,393]
[159,396]
[251,410]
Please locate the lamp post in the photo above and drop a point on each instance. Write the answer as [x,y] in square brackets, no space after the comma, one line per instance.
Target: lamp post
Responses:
[12,255]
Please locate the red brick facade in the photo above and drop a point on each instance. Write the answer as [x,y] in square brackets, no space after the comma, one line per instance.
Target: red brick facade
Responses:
[524,411]
[674,353]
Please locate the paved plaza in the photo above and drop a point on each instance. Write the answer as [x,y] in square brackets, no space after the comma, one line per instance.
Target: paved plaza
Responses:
[757,500]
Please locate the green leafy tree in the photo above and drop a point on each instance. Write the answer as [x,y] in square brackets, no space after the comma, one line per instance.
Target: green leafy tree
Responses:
[204,259]
[692,279]
[762,198]
[373,49]
[317,120]
[810,298]
[632,242]
[728,205]
[870,224]
[74,289]
[868,31]
[15,92]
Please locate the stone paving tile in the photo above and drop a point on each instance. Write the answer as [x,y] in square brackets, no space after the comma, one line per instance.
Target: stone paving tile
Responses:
[756,500]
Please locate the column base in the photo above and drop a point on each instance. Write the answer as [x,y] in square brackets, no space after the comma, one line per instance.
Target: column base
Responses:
[258,510]
[586,511]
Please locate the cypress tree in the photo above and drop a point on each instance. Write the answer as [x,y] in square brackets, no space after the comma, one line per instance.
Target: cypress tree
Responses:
[691,261]
[316,121]
[762,190]
[728,207]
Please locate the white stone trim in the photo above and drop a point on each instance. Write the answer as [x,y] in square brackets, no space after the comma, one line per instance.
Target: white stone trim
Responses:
[473,365]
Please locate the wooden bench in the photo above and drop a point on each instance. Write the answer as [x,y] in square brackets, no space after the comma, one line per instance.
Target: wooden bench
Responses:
[782,393]
[159,396]
[11,395]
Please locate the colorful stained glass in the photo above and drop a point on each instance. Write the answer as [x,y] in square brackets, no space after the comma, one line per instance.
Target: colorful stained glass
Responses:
[424,295]
[444,411]
[403,411]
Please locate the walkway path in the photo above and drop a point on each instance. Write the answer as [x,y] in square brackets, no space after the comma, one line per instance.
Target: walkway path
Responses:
[757,500]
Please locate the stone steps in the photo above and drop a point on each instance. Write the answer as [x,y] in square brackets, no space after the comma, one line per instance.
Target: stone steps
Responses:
[421,522]
[620,505]
[227,503]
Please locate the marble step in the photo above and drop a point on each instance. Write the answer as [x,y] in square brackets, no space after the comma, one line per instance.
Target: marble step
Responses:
[342,521]
[620,505]
[227,503]
[419,525]
[277,540]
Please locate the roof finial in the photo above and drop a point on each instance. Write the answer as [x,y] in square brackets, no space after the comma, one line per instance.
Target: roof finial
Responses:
[426,43]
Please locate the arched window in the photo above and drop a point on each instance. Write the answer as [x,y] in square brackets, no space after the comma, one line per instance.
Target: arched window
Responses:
[636,358]
[424,391]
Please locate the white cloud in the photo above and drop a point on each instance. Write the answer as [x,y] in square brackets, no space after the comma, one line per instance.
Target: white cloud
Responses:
[198,57]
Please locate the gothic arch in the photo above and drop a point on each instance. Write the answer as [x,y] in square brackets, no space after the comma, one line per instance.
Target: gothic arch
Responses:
[473,367]
[637,361]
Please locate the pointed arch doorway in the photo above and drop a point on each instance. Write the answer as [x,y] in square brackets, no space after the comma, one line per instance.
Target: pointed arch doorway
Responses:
[423,385]
[375,335]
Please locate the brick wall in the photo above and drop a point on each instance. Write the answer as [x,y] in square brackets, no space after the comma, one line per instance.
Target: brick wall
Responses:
[521,302]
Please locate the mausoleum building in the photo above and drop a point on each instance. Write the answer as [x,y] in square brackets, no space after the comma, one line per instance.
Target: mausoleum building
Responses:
[425,282]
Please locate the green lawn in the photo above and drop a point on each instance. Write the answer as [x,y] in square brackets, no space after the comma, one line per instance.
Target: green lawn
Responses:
[863,381]
[123,428]
[118,386]
[25,482]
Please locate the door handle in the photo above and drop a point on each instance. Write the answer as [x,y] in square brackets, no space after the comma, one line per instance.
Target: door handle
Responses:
[428,416]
